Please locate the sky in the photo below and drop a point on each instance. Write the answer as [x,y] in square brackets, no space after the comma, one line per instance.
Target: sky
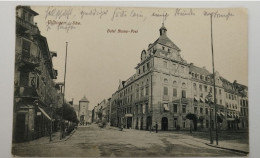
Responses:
[98,57]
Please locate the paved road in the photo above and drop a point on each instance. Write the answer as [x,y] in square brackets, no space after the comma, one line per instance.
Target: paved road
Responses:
[110,142]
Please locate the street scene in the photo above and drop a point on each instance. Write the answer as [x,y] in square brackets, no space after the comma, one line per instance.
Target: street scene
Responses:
[130,82]
[93,141]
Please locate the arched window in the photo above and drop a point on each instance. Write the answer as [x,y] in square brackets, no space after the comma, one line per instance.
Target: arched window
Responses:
[183,85]
[174,83]
[165,80]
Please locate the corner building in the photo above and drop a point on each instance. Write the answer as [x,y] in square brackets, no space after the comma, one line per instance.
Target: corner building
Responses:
[165,88]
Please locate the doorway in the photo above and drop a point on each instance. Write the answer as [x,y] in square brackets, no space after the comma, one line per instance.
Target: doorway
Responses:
[164,124]
[20,128]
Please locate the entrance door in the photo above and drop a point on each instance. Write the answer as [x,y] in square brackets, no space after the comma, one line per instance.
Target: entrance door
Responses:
[164,124]
[129,122]
[20,128]
[148,122]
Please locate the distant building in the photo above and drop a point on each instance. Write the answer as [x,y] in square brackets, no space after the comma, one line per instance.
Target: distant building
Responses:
[165,88]
[83,113]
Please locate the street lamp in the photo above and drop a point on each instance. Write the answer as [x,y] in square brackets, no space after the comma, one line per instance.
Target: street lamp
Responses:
[209,98]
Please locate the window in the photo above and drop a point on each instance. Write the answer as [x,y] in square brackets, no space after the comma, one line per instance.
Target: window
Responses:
[174,83]
[201,110]
[194,86]
[183,85]
[142,92]
[184,125]
[207,123]
[183,108]
[219,91]
[24,78]
[206,111]
[201,95]
[200,86]
[165,80]
[165,64]
[168,50]
[143,68]
[148,65]
[163,47]
[146,90]
[205,88]
[174,92]
[175,122]
[173,66]
[183,94]
[139,71]
[165,107]
[26,48]
[210,89]
[175,108]
[182,69]
[220,101]
[201,77]
[165,90]
[195,110]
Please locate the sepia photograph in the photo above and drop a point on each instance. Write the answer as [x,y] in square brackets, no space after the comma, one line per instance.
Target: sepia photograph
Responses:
[96,81]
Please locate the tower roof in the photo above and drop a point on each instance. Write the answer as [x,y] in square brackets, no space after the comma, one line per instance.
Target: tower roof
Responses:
[84,99]
[164,40]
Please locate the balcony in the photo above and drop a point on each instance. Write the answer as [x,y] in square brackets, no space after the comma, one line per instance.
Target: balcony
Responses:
[27,61]
[184,100]
[26,25]
[26,92]
[166,97]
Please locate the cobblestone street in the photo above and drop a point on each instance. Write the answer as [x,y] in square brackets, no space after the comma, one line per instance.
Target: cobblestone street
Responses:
[93,141]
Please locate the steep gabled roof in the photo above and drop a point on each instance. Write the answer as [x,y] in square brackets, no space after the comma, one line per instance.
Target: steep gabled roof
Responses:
[199,70]
[84,99]
[164,40]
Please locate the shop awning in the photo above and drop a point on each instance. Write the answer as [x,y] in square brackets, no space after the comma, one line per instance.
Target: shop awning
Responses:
[196,98]
[44,113]
[202,100]
[166,107]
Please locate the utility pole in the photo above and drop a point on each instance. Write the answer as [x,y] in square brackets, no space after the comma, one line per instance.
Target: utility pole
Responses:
[214,84]
[62,122]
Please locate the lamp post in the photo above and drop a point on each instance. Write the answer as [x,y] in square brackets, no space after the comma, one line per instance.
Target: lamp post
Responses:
[62,121]
[51,124]
[209,98]
[214,83]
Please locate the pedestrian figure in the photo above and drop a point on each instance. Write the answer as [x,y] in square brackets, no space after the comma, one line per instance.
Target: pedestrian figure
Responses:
[156,127]
[122,127]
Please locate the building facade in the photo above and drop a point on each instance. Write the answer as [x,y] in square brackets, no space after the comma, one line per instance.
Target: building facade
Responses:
[165,88]
[35,92]
[84,115]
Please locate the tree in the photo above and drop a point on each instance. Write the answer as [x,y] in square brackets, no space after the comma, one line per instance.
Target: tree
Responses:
[68,113]
[100,115]
[194,118]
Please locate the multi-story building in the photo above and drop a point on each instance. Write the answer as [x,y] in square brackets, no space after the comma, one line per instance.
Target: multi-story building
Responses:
[34,93]
[165,88]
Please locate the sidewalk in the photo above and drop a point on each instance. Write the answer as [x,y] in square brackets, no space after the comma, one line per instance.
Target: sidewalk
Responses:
[228,145]
[46,139]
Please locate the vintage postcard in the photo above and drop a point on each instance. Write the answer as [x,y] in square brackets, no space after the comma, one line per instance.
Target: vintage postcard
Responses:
[130,82]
